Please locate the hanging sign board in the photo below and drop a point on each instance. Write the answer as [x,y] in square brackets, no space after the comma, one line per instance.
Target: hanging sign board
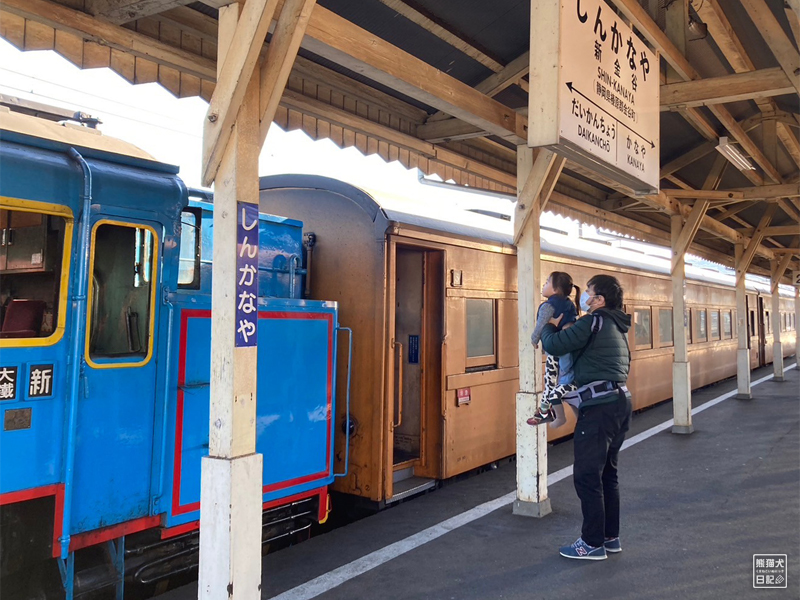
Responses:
[796,278]
[601,109]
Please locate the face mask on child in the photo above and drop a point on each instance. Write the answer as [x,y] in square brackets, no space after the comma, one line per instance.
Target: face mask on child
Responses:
[584,301]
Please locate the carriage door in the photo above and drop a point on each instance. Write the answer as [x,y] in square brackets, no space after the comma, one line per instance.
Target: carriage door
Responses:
[116,402]
[414,373]
[762,333]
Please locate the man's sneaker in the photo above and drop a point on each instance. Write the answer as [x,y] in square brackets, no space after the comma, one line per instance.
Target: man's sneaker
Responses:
[583,551]
[612,545]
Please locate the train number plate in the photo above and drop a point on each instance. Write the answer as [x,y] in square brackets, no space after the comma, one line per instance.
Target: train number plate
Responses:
[17,418]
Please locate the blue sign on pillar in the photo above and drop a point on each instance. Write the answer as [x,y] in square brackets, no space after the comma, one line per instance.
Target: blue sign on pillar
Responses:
[246,275]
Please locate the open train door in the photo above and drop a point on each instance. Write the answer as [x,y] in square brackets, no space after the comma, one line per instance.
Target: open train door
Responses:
[416,300]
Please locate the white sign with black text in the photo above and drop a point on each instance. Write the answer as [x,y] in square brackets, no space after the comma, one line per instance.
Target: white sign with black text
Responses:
[608,96]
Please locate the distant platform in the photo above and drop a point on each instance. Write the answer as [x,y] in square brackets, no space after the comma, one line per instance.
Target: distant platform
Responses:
[695,509]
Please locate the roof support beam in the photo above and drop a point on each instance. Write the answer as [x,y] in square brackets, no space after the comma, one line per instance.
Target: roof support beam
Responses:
[281,54]
[687,232]
[437,29]
[706,194]
[234,78]
[780,268]
[336,39]
[773,230]
[755,241]
[776,39]
[728,88]
[784,190]
[537,188]
[122,11]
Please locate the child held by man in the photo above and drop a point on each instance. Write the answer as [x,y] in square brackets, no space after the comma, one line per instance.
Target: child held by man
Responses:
[558,377]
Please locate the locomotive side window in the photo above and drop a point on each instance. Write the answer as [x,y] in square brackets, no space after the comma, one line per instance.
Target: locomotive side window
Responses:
[643,332]
[726,324]
[665,326]
[714,317]
[122,292]
[189,265]
[32,262]
[480,332]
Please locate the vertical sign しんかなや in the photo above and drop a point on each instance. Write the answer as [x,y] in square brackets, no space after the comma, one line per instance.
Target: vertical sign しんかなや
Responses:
[607,96]
[246,275]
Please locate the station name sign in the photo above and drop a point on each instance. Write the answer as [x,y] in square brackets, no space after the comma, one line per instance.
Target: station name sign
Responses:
[601,108]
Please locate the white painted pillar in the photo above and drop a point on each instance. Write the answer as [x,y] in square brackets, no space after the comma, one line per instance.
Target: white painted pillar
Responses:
[796,278]
[777,346]
[742,353]
[231,497]
[681,369]
[532,499]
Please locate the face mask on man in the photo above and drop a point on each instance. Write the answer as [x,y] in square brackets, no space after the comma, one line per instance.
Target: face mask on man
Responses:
[585,301]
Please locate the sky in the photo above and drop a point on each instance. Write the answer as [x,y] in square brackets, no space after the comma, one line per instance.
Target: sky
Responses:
[170,128]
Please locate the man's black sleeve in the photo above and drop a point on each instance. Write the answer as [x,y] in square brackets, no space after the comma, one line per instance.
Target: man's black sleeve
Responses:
[572,339]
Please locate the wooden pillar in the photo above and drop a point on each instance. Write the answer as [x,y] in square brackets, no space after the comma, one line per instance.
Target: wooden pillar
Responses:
[743,352]
[777,346]
[231,496]
[532,499]
[681,369]
[795,279]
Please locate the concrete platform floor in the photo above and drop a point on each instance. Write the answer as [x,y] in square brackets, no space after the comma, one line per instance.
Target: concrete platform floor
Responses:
[694,511]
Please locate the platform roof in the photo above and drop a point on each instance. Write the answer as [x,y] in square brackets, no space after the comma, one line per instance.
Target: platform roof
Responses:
[442,85]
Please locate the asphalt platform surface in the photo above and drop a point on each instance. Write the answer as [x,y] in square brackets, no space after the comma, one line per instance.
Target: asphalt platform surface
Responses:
[695,509]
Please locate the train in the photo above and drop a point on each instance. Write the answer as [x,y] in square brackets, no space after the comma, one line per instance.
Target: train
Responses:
[431,295]
[105,286]
[105,316]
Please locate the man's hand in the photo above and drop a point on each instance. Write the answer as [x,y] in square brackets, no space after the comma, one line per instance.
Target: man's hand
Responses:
[556,321]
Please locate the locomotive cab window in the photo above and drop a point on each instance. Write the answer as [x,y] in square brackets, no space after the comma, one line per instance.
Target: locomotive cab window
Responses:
[122,292]
[33,269]
[480,333]
[643,334]
[189,264]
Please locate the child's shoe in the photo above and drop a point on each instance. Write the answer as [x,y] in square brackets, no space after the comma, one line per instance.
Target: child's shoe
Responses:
[539,417]
[583,551]
[612,545]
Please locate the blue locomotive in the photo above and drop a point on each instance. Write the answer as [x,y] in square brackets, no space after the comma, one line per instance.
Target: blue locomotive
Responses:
[105,288]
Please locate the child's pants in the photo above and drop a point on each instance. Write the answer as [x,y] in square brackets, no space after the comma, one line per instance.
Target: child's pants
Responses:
[552,390]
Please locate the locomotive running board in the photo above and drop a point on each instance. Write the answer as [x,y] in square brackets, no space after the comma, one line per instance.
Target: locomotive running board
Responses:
[410,487]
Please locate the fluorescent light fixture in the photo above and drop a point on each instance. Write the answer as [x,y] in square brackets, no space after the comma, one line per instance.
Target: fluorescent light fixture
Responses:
[733,154]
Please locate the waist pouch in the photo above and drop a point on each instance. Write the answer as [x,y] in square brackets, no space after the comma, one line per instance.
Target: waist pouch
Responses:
[599,392]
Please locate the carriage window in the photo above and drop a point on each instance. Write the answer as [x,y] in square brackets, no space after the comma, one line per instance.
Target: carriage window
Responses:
[189,265]
[702,332]
[752,330]
[665,326]
[122,289]
[767,322]
[32,258]
[480,332]
[714,324]
[727,327]
[642,330]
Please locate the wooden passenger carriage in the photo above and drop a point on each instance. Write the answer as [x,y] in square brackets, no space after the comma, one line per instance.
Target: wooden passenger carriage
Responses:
[433,307]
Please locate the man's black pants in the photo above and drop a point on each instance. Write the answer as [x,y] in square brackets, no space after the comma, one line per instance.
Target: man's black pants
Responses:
[599,434]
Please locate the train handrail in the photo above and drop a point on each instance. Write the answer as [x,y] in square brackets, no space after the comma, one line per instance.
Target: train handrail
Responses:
[347,421]
[399,411]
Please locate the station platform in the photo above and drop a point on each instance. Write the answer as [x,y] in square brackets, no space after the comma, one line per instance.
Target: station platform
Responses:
[695,509]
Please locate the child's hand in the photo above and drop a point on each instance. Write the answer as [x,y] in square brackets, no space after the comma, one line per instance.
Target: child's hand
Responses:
[556,321]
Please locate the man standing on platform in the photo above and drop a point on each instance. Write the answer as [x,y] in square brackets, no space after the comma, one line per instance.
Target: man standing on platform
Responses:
[601,357]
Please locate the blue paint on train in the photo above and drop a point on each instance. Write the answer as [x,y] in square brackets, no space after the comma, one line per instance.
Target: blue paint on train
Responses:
[116,441]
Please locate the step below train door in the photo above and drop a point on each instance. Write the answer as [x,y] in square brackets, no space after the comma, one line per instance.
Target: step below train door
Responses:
[415,429]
